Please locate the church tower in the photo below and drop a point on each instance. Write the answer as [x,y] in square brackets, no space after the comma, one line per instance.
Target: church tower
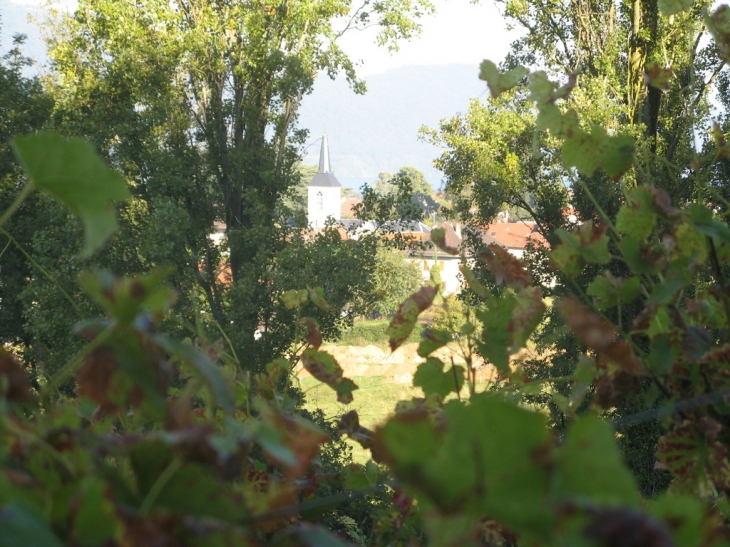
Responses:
[324,192]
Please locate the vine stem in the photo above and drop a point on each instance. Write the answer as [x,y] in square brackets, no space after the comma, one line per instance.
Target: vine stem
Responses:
[19,199]
[159,484]
[32,437]
[27,255]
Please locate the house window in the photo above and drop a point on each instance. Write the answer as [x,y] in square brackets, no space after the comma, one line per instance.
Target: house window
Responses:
[320,201]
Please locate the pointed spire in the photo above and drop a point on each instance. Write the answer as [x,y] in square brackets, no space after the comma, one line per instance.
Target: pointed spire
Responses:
[324,157]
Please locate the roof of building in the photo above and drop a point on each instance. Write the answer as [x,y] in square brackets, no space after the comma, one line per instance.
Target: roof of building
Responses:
[347,206]
[514,235]
[324,177]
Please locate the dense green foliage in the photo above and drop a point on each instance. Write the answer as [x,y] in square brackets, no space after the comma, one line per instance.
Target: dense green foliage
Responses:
[615,435]
[195,104]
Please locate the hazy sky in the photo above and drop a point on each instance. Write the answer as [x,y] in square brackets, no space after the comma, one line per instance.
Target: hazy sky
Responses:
[460,32]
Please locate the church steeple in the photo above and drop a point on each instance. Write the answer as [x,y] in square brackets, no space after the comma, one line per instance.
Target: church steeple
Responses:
[324,192]
[324,157]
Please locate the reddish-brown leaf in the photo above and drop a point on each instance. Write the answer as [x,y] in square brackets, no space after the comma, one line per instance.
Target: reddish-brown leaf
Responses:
[506,267]
[664,203]
[438,236]
[14,383]
[94,379]
[350,424]
[302,437]
[313,336]
[613,388]
[600,336]
[643,321]
[326,369]
[405,318]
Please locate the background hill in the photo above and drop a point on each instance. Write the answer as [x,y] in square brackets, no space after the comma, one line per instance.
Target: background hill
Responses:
[378,132]
[369,134]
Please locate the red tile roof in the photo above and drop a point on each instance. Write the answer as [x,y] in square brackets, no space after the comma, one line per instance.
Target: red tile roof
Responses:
[515,235]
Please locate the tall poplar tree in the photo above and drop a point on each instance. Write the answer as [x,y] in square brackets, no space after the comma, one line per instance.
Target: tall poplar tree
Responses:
[196,102]
[640,69]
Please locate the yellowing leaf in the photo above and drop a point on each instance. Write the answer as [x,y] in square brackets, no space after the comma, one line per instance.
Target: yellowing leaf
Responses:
[670,7]
[326,369]
[405,318]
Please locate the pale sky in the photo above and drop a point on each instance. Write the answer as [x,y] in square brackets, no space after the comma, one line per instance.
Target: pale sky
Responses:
[459,33]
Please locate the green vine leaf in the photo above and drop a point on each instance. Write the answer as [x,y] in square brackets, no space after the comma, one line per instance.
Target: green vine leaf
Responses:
[500,82]
[21,526]
[670,7]
[431,377]
[72,171]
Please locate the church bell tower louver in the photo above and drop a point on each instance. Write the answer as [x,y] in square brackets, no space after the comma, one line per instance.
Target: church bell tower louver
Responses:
[324,191]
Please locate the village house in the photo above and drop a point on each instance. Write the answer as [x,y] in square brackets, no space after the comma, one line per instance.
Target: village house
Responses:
[325,204]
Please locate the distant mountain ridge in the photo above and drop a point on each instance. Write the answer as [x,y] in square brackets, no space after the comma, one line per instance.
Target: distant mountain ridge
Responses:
[368,134]
[378,132]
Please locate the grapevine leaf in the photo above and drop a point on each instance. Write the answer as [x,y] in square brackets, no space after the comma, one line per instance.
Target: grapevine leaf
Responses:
[541,88]
[702,219]
[582,151]
[670,7]
[124,298]
[326,369]
[473,282]
[500,82]
[430,376]
[719,26]
[21,526]
[301,437]
[613,388]
[13,379]
[294,299]
[72,171]
[658,76]
[565,258]
[592,467]
[438,237]
[433,339]
[641,259]
[316,295]
[604,292]
[600,336]
[96,521]
[506,267]
[350,424]
[504,472]
[695,455]
[407,442]
[618,155]
[497,337]
[636,221]
[526,316]
[661,354]
[405,318]
[690,243]
[313,336]
[201,365]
